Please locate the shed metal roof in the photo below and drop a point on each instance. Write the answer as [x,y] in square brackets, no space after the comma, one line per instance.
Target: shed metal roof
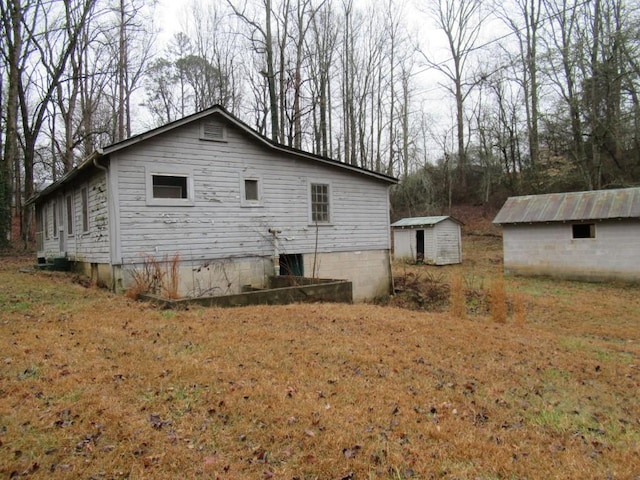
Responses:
[572,206]
[421,221]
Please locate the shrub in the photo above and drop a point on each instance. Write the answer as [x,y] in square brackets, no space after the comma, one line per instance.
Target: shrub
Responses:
[457,302]
[498,300]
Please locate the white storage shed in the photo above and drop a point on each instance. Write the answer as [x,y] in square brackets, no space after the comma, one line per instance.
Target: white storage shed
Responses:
[432,240]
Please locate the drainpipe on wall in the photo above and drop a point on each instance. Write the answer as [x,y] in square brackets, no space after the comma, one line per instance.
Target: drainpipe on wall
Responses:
[98,153]
[276,253]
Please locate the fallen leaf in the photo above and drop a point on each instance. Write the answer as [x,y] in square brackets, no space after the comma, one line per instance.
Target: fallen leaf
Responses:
[261,455]
[351,452]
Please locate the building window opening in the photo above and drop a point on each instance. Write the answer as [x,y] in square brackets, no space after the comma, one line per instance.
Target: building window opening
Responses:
[165,186]
[251,190]
[292,265]
[320,203]
[584,230]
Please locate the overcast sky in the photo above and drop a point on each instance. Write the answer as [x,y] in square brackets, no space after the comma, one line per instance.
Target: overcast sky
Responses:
[429,94]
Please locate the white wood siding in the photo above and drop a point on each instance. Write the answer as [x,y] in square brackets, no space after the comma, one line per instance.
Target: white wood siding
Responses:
[91,246]
[448,243]
[51,242]
[549,249]
[430,245]
[217,225]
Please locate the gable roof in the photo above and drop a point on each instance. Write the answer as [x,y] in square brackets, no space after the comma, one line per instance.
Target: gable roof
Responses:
[92,160]
[572,206]
[413,222]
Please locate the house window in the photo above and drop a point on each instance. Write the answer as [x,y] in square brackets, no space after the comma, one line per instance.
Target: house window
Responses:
[584,230]
[250,192]
[69,204]
[54,207]
[291,264]
[84,200]
[169,186]
[39,230]
[320,206]
[45,214]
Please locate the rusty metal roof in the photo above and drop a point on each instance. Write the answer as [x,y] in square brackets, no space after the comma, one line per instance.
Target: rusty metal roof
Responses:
[572,206]
[422,221]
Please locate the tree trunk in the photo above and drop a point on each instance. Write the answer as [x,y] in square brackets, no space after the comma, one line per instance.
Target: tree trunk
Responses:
[12,21]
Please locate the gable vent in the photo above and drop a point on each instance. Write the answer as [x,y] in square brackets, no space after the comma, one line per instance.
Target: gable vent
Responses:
[211,130]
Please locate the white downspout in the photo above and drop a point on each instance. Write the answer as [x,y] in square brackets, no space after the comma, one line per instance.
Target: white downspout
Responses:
[99,153]
[276,253]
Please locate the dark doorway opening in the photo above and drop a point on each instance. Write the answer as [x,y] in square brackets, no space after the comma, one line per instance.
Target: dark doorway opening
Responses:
[291,264]
[419,245]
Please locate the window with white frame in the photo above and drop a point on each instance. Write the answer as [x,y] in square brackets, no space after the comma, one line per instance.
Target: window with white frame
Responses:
[70,214]
[250,191]
[45,216]
[169,187]
[54,208]
[320,194]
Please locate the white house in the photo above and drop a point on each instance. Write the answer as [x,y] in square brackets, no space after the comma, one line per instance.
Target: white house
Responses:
[432,240]
[580,235]
[235,206]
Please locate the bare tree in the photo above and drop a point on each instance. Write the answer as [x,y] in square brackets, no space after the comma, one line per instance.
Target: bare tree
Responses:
[262,42]
[523,17]
[133,38]
[461,21]
[44,36]
[13,56]
[213,42]
[321,50]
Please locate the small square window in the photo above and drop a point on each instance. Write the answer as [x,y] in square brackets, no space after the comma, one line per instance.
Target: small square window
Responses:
[584,230]
[320,206]
[166,186]
[251,190]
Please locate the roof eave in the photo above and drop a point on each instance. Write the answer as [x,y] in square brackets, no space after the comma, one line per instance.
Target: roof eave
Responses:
[217,109]
[66,178]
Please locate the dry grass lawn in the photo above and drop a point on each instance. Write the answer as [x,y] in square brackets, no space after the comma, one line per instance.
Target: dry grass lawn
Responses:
[96,386]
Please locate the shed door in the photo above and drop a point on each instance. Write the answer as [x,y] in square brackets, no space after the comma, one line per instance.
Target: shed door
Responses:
[419,245]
